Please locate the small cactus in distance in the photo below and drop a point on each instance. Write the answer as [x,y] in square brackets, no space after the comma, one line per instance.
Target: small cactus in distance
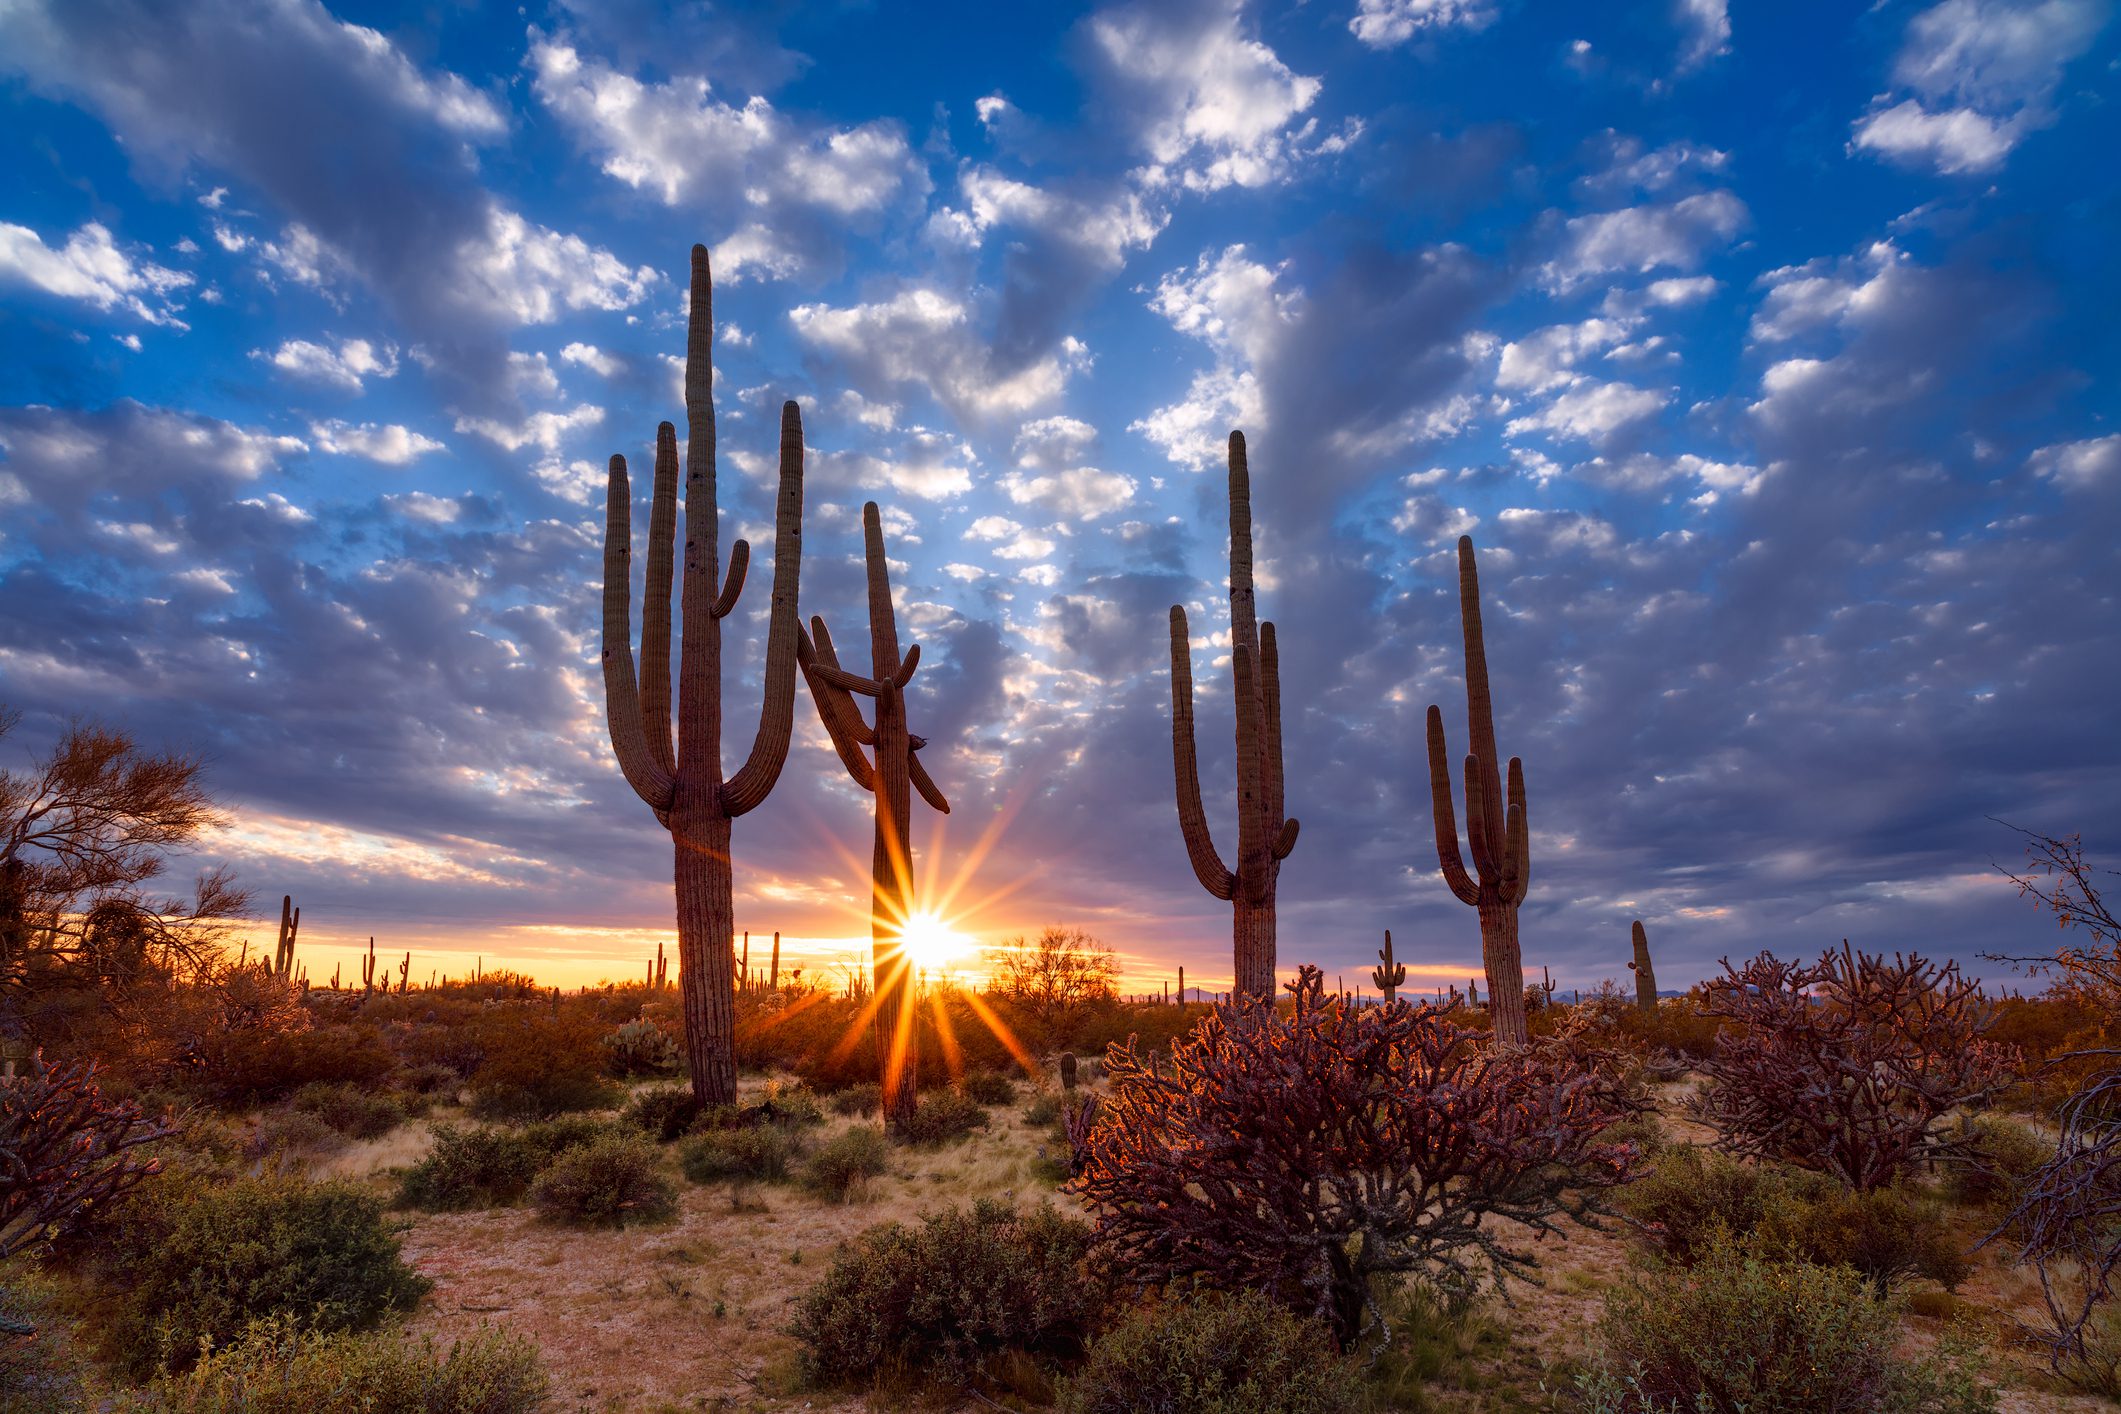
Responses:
[1067,1070]
[1645,975]
[1388,974]
[283,954]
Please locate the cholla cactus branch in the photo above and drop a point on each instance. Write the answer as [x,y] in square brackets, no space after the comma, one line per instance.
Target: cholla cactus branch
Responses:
[64,1150]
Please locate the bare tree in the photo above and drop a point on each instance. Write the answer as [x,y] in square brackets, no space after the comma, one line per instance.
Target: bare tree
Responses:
[85,832]
[1055,977]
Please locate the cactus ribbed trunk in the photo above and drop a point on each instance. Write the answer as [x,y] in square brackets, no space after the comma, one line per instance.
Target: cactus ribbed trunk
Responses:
[1500,838]
[682,781]
[1645,975]
[1265,835]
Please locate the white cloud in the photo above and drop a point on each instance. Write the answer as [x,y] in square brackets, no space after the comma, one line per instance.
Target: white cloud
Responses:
[1960,140]
[1822,294]
[2078,465]
[346,366]
[1079,493]
[1011,540]
[1383,24]
[1547,358]
[1107,231]
[388,443]
[429,510]
[923,337]
[533,274]
[1640,239]
[1240,309]
[592,358]
[1706,27]
[1592,411]
[91,268]
[543,430]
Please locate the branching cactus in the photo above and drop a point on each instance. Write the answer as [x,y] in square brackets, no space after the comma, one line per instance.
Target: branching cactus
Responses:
[283,953]
[1264,835]
[1388,975]
[1645,976]
[892,776]
[683,782]
[1501,852]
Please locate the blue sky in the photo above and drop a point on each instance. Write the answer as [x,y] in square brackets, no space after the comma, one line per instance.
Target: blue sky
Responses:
[1766,352]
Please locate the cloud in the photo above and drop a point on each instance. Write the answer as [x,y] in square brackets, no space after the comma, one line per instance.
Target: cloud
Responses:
[1591,411]
[1705,29]
[1639,239]
[924,338]
[1240,309]
[2078,466]
[1050,472]
[594,359]
[543,430]
[66,459]
[1981,74]
[388,444]
[90,268]
[346,366]
[1385,24]
[533,273]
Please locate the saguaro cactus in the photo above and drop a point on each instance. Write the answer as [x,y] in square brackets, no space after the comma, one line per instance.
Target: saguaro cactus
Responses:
[685,787]
[1645,975]
[1501,856]
[1388,975]
[891,777]
[1264,835]
[283,953]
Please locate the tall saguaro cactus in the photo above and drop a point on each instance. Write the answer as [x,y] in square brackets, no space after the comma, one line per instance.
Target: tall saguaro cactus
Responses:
[1389,975]
[893,774]
[1501,848]
[1264,835]
[1645,975]
[283,953]
[683,783]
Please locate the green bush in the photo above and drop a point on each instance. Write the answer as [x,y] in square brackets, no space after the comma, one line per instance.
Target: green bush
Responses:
[1692,1197]
[940,1116]
[1888,1234]
[608,1182]
[40,1373]
[639,1048]
[845,1162]
[1217,1354]
[475,1167]
[664,1112]
[758,1152]
[1741,1334]
[537,1068]
[945,1296]
[2004,1154]
[989,1087]
[790,1102]
[549,1138]
[191,1259]
[356,1111]
[279,1368]
[289,1131]
[858,1100]
[1043,1110]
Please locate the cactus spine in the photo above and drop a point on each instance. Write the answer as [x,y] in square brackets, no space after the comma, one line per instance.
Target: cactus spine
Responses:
[1388,975]
[685,786]
[891,777]
[1264,835]
[1645,975]
[283,953]
[1501,852]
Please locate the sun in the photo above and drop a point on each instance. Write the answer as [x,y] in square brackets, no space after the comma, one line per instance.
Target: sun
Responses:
[931,943]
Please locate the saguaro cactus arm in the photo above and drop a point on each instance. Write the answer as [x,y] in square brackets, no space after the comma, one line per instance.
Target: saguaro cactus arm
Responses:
[1270,695]
[769,750]
[655,609]
[622,701]
[1454,865]
[1208,866]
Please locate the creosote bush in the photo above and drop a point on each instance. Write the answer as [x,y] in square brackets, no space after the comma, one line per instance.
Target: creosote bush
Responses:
[945,1296]
[844,1164]
[1850,1065]
[1742,1334]
[759,1153]
[195,1258]
[1214,1353]
[611,1181]
[1311,1153]
[536,1067]
[939,1117]
[471,1167]
[277,1367]
[858,1100]
[1999,1156]
[989,1087]
[355,1111]
[664,1112]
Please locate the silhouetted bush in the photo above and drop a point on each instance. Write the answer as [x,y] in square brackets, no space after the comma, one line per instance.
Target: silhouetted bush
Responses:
[201,1258]
[639,1048]
[665,1112]
[471,1167]
[244,1067]
[1213,1354]
[757,1153]
[352,1110]
[610,1182]
[845,1162]
[1273,1139]
[1740,1334]
[987,1087]
[1850,1065]
[946,1295]
[277,1367]
[858,1100]
[941,1115]
[537,1068]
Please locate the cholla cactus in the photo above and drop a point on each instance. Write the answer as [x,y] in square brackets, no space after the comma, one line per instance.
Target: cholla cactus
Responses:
[1264,835]
[1645,975]
[1388,975]
[639,1048]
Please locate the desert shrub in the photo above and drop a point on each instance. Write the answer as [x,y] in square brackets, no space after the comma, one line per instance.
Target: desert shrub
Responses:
[280,1132]
[1270,1140]
[551,1137]
[1887,1234]
[1645,1131]
[639,1048]
[196,1259]
[858,1100]
[1848,1066]
[1215,1354]
[941,1115]
[247,1065]
[1997,1158]
[788,1102]
[1691,1199]
[277,1367]
[1742,1334]
[989,1087]
[609,1182]
[65,1149]
[663,1112]
[471,1167]
[534,1069]
[1043,1110]
[353,1111]
[756,1153]
[40,1373]
[843,1163]
[941,1298]
[431,1078]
